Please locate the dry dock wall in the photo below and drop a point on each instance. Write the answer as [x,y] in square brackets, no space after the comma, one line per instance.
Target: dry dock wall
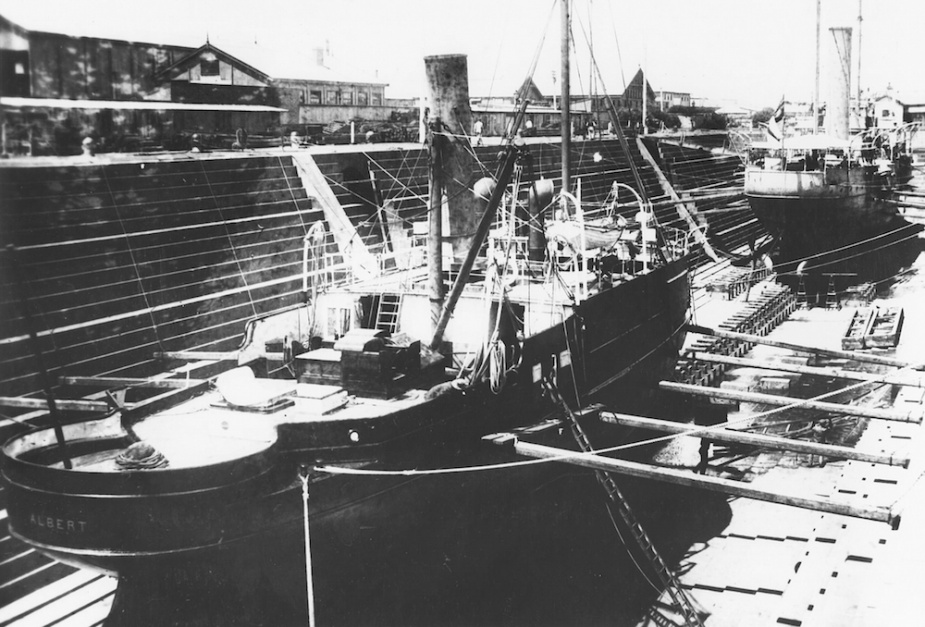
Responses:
[121,260]
[732,225]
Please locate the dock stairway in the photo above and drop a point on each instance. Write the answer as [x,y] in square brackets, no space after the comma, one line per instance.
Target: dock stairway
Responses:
[683,605]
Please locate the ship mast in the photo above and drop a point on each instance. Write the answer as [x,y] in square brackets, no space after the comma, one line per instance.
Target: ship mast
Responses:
[565,104]
[816,93]
[860,19]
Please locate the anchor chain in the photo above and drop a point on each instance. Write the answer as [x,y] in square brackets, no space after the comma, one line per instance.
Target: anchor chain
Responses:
[682,602]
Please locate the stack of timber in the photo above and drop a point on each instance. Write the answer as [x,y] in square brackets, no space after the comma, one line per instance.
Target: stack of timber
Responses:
[769,305]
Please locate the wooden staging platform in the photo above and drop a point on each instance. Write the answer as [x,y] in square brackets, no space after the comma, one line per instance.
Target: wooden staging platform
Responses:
[777,565]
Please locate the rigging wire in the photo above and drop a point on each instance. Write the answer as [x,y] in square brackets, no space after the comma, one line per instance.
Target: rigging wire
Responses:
[857,244]
[131,253]
[613,24]
[234,250]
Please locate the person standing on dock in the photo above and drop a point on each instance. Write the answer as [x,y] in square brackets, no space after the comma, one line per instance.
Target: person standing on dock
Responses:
[705,444]
[477,131]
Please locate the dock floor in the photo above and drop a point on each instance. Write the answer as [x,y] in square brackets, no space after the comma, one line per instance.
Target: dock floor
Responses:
[780,565]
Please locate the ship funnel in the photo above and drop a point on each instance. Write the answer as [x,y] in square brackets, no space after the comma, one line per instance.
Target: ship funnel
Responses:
[837,82]
[450,121]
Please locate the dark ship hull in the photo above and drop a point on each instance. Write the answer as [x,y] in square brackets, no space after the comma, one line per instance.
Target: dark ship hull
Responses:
[814,212]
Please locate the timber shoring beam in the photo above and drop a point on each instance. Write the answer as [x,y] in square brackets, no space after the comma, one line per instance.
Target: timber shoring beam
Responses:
[782,401]
[62,404]
[753,439]
[837,373]
[111,382]
[218,356]
[198,355]
[688,478]
[42,412]
[758,339]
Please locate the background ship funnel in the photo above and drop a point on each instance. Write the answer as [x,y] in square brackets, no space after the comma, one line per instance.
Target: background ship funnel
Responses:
[837,82]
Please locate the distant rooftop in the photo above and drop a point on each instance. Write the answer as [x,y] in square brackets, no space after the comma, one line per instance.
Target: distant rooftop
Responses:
[278,59]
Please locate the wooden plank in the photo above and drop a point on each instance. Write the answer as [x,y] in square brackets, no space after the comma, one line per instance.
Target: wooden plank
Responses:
[909,415]
[48,572]
[199,355]
[714,484]
[754,439]
[837,373]
[91,616]
[62,404]
[758,339]
[37,415]
[23,606]
[70,604]
[128,382]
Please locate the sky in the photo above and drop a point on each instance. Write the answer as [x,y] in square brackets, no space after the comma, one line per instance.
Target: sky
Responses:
[730,51]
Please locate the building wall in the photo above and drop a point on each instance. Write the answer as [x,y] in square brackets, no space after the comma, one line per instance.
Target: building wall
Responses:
[14,60]
[228,75]
[326,115]
[888,113]
[668,99]
[96,69]
[316,93]
[321,102]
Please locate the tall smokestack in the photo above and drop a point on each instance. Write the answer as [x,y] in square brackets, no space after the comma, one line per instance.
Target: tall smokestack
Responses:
[837,81]
[448,89]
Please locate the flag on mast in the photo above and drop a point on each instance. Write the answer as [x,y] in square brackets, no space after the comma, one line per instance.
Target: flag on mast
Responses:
[775,129]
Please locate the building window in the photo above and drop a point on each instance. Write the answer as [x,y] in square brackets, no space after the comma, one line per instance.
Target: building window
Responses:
[376,99]
[19,69]
[330,97]
[362,98]
[314,97]
[886,113]
[209,67]
[346,97]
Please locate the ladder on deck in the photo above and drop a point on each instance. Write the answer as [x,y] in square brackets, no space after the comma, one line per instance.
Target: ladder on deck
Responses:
[683,604]
[388,312]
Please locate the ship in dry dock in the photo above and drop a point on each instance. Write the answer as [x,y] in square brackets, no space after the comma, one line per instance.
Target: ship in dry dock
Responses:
[824,190]
[362,363]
